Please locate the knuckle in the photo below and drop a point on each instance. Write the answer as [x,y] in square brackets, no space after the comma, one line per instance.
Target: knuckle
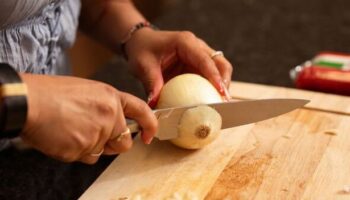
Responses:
[95,136]
[109,105]
[103,135]
[205,62]
[82,142]
[202,43]
[186,35]
[90,160]
[229,68]
[57,153]
[152,125]
[85,142]
[155,127]
[107,88]
[67,157]
[107,109]
[144,108]
[139,62]
[125,145]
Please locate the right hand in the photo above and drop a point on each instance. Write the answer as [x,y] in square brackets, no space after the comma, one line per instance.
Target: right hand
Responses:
[71,118]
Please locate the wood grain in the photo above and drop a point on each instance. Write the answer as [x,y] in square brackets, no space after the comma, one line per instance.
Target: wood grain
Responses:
[304,154]
[289,157]
[161,170]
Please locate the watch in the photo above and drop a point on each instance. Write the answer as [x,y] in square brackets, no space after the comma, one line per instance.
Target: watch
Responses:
[13,102]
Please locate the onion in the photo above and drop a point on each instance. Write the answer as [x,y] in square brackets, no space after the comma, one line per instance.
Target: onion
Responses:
[200,125]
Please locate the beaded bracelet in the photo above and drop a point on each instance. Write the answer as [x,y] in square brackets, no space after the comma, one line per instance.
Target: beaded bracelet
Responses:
[130,33]
[13,109]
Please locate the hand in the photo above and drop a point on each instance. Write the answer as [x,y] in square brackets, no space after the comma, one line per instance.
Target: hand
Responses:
[156,56]
[72,118]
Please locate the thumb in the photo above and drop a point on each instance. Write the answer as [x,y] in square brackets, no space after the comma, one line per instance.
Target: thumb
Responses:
[152,79]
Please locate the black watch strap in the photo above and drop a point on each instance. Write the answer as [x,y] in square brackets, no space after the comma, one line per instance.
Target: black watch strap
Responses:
[13,109]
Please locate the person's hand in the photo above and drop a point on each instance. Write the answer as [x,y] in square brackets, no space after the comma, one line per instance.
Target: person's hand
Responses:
[74,119]
[156,56]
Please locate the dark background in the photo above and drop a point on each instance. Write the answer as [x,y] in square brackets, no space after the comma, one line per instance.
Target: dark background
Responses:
[263,39]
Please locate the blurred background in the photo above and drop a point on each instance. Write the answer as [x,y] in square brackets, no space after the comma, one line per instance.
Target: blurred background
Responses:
[262,39]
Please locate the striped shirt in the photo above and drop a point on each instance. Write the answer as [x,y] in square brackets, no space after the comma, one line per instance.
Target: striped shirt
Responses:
[34,35]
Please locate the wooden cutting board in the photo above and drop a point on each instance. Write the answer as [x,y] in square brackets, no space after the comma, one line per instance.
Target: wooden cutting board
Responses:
[304,154]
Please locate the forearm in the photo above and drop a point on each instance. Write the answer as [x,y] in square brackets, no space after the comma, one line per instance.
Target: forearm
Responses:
[109,20]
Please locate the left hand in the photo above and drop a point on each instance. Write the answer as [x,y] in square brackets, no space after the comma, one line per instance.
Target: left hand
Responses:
[157,56]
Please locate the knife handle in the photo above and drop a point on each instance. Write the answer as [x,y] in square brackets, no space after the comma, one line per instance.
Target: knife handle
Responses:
[133,126]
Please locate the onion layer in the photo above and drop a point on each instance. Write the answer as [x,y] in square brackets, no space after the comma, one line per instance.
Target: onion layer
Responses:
[200,125]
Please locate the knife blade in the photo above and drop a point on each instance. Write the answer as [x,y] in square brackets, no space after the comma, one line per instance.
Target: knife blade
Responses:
[233,113]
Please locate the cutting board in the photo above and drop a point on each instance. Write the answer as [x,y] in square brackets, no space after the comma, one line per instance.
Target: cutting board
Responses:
[304,154]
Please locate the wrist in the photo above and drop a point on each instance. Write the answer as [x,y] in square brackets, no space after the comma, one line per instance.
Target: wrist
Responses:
[109,21]
[133,32]
[32,100]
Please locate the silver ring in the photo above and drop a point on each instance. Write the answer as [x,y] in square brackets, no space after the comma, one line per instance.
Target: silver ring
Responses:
[216,53]
[97,154]
[121,136]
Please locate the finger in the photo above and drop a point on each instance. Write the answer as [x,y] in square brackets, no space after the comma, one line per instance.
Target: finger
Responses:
[96,142]
[99,139]
[224,66]
[151,77]
[89,159]
[114,145]
[118,145]
[225,69]
[191,53]
[95,154]
[92,155]
[138,110]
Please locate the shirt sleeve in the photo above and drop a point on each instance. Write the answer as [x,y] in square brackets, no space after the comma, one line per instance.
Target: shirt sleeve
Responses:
[13,11]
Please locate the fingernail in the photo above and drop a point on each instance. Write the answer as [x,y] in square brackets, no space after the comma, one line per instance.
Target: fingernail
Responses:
[149,141]
[220,86]
[149,98]
[225,93]
[225,82]
[151,101]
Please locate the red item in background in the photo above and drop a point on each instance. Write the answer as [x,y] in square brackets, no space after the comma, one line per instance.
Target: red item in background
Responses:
[324,80]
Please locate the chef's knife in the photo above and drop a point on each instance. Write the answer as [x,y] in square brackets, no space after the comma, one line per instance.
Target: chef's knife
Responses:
[234,113]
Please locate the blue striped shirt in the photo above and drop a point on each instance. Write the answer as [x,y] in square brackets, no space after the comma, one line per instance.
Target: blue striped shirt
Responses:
[34,35]
[36,44]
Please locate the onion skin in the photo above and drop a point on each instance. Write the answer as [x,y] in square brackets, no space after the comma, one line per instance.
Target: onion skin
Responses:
[200,125]
[187,89]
